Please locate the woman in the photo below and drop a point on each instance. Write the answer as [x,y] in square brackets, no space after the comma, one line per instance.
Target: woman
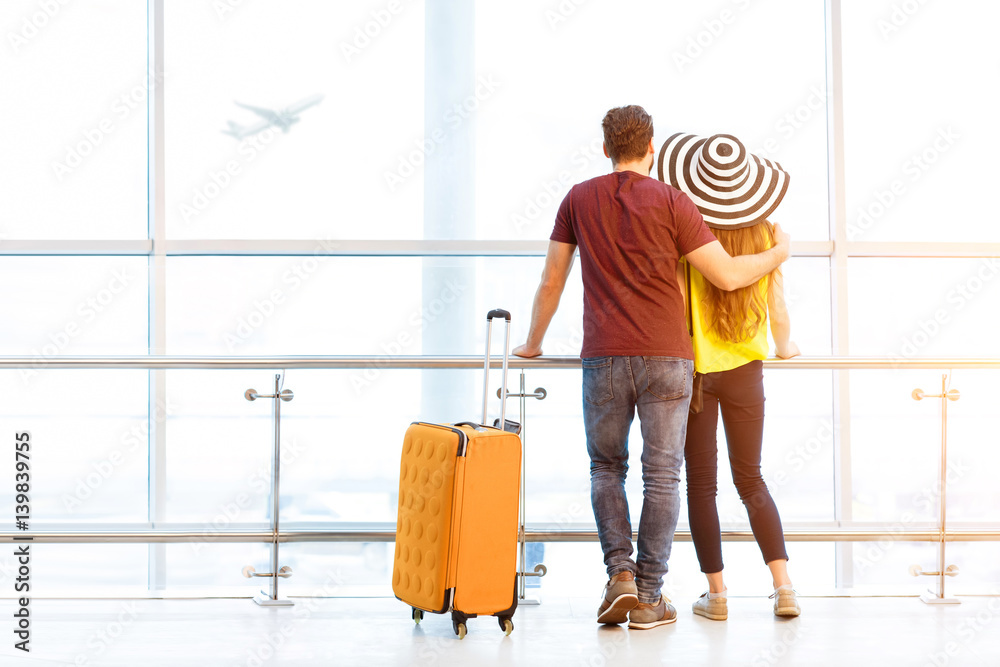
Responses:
[735,192]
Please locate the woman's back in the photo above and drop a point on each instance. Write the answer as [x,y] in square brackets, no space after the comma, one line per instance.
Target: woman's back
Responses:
[729,329]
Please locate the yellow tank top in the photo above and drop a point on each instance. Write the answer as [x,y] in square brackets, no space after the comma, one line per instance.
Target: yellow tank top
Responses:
[712,355]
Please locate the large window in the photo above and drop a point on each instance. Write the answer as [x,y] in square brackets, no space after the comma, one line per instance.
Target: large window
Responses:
[350,168]
[918,121]
[73,164]
[325,178]
[695,67]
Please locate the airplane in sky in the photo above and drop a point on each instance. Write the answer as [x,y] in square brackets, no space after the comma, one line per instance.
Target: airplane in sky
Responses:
[283,118]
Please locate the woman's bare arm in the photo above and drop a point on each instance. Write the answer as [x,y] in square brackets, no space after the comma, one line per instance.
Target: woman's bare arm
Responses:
[781,324]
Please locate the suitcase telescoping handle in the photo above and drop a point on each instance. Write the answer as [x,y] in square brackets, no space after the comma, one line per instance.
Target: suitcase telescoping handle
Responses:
[496,312]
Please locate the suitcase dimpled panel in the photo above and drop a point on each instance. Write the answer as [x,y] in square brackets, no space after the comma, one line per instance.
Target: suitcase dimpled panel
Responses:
[426,489]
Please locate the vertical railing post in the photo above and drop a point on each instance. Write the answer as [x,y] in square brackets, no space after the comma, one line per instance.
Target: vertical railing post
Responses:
[265,598]
[943,570]
[522,546]
[522,542]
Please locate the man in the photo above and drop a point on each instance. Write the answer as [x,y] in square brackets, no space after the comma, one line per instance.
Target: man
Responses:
[632,230]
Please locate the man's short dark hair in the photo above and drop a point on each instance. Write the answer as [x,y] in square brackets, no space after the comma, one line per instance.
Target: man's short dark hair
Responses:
[627,132]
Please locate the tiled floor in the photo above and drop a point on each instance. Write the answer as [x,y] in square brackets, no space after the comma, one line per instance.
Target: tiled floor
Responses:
[832,631]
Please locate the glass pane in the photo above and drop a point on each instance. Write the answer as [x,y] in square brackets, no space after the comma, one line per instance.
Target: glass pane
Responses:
[978,564]
[910,307]
[89,454]
[347,82]
[219,449]
[541,132]
[895,447]
[85,570]
[342,569]
[901,184]
[205,568]
[399,306]
[91,450]
[973,447]
[74,306]
[797,458]
[884,567]
[807,294]
[352,305]
[74,136]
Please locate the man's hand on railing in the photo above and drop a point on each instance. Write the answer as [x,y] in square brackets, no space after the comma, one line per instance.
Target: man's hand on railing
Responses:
[525,351]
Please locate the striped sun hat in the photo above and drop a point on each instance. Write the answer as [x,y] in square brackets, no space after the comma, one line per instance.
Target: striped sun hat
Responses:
[731,187]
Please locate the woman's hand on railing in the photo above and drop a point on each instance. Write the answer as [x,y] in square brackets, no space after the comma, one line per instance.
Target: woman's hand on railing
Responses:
[787,351]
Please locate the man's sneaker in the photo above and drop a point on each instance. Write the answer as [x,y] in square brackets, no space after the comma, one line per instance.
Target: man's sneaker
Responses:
[620,596]
[715,609]
[646,616]
[785,603]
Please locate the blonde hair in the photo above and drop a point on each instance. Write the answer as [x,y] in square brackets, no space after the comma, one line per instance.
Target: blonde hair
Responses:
[737,316]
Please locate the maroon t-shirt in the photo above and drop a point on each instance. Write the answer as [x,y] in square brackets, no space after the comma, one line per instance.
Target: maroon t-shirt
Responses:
[631,230]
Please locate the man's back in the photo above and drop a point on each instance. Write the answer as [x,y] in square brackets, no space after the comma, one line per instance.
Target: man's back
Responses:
[631,231]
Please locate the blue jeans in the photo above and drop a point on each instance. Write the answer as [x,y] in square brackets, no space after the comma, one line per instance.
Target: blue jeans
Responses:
[614,388]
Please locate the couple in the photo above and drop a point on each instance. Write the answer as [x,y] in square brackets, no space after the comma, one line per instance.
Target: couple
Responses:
[643,309]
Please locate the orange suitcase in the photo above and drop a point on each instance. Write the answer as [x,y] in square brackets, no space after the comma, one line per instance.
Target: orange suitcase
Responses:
[456,530]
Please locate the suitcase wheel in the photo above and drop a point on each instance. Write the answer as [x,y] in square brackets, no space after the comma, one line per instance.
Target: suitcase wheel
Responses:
[458,620]
[418,615]
[507,625]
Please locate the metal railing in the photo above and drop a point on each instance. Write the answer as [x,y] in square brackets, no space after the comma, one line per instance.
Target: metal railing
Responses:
[174,362]
[536,533]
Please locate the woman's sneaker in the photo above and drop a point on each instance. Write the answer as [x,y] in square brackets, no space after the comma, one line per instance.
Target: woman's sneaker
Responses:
[715,609]
[646,616]
[620,596]
[785,602]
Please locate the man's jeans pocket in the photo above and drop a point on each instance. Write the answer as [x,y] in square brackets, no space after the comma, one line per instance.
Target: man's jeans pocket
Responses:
[597,380]
[669,377]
